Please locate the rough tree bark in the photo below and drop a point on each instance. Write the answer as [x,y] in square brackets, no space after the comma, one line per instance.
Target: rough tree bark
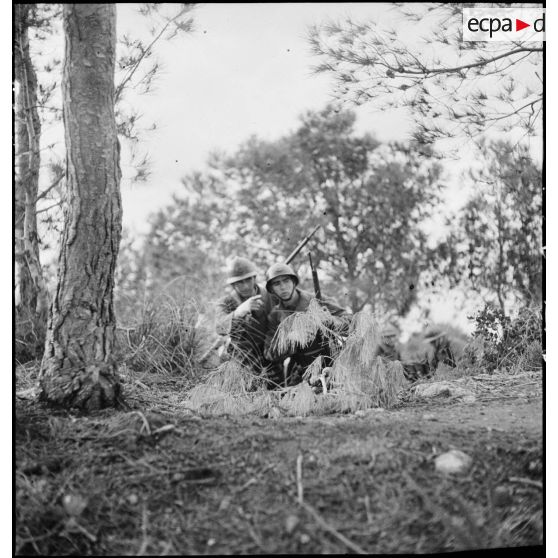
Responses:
[31,293]
[78,369]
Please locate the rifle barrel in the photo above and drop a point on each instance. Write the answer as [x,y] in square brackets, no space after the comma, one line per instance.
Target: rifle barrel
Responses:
[315,280]
[301,245]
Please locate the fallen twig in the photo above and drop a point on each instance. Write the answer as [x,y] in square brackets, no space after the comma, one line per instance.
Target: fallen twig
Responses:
[145,422]
[367,507]
[165,428]
[145,538]
[299,479]
[530,482]
[349,544]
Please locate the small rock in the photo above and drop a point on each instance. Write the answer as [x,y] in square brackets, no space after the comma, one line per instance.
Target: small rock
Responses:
[177,477]
[211,542]
[291,522]
[453,462]
[502,497]
[468,399]
[225,503]
[133,499]
[429,416]
[432,390]
[445,389]
[74,504]
[304,538]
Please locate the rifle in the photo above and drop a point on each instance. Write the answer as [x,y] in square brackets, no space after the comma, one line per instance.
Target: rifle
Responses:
[301,245]
[317,291]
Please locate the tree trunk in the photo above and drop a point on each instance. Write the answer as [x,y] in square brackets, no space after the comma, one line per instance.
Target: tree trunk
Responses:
[78,369]
[31,294]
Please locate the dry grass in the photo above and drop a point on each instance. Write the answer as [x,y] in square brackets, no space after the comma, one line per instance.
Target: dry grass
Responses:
[167,338]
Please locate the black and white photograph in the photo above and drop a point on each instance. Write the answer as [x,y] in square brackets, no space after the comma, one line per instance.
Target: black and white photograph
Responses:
[278,278]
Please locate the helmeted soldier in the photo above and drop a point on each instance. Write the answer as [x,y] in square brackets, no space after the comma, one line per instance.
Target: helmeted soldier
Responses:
[387,348]
[440,348]
[282,282]
[243,315]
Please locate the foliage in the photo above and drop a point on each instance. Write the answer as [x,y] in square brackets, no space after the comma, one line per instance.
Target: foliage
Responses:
[451,87]
[359,378]
[370,199]
[300,328]
[162,334]
[505,343]
[495,246]
[260,202]
[185,236]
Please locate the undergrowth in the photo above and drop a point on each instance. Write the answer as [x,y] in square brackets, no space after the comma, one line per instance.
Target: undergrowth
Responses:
[500,342]
[167,335]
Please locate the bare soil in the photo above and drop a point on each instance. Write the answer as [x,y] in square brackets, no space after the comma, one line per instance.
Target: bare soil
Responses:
[160,480]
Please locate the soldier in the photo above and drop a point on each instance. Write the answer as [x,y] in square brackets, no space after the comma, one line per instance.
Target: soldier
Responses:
[282,282]
[440,348]
[387,348]
[243,315]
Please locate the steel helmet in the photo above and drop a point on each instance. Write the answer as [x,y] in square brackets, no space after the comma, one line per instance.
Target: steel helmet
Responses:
[240,269]
[389,330]
[277,270]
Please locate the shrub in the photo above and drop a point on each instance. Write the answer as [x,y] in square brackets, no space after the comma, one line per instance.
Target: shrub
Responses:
[500,342]
[167,337]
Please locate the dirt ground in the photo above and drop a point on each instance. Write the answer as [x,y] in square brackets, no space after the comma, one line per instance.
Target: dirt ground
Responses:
[159,480]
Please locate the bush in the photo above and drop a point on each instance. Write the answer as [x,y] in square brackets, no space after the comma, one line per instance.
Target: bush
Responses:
[500,342]
[167,338]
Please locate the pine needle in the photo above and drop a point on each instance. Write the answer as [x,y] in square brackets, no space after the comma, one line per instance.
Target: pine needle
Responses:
[360,379]
[232,377]
[301,328]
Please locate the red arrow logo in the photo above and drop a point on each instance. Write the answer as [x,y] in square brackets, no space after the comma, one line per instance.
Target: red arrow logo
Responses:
[519,25]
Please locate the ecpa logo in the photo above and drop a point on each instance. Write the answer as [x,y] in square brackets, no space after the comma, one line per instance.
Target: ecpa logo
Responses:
[503,24]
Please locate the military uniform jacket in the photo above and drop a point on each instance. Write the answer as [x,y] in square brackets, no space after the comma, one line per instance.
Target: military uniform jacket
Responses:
[248,331]
[280,312]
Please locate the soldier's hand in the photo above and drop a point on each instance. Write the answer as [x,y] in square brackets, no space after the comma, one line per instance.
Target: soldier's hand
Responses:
[249,305]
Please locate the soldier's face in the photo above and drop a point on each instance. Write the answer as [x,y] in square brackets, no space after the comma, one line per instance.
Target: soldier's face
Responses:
[283,287]
[389,340]
[245,288]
